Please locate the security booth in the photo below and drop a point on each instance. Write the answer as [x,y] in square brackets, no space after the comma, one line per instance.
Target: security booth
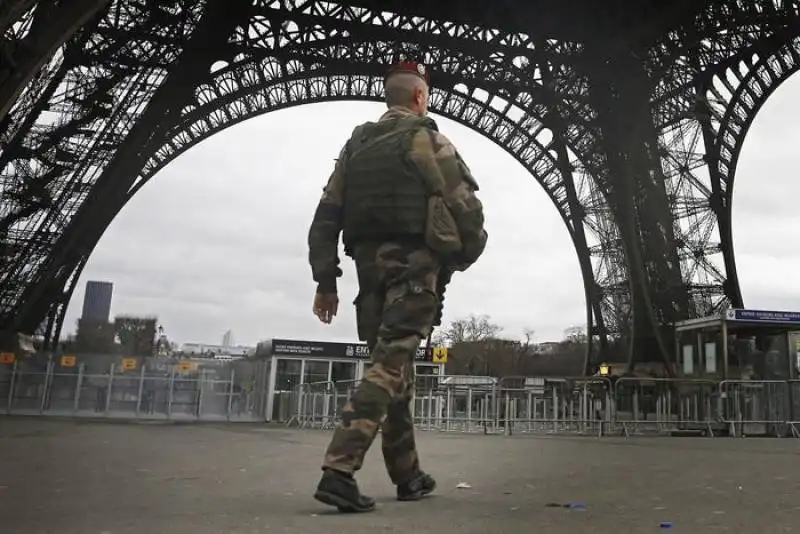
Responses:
[739,344]
[322,364]
[755,353]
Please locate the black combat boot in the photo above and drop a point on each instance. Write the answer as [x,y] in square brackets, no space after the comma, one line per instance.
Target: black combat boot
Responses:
[340,490]
[416,488]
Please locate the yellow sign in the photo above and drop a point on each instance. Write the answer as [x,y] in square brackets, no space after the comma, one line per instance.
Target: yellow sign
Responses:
[604,369]
[6,357]
[187,366]
[439,354]
[129,364]
[68,361]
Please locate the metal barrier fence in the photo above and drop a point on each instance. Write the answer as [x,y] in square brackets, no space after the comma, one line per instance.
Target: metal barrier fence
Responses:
[219,391]
[239,391]
[580,406]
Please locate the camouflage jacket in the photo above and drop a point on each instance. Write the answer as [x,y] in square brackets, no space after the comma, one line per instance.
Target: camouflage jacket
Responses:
[429,147]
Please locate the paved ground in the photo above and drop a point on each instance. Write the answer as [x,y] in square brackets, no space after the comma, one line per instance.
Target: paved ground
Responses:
[92,477]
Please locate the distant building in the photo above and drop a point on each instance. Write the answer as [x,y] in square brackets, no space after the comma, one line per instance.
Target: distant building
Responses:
[227,339]
[97,301]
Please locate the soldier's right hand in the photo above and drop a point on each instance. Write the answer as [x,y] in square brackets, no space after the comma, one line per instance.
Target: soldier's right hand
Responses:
[325,306]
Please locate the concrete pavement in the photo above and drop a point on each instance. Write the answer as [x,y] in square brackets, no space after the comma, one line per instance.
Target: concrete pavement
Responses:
[90,477]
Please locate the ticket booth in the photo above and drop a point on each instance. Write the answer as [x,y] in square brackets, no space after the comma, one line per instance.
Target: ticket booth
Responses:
[739,344]
[295,362]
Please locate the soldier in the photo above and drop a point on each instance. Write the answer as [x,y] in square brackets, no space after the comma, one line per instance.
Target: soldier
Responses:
[405,203]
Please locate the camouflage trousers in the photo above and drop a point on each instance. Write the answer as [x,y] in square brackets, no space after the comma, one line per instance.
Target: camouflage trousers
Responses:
[395,309]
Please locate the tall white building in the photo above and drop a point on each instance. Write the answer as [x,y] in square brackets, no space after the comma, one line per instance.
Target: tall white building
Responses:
[227,339]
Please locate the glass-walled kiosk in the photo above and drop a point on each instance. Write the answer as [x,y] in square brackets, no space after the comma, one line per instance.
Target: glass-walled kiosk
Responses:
[739,344]
[752,355]
[294,362]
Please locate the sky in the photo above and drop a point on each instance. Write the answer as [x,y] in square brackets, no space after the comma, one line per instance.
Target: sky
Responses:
[218,239]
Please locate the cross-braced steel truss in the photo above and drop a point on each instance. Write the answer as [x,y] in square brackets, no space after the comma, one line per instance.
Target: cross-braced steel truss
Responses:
[634,141]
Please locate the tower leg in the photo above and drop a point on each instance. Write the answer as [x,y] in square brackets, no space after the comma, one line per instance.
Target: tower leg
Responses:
[635,185]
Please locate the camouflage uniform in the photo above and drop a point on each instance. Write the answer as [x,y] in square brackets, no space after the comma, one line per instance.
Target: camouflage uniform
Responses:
[396,307]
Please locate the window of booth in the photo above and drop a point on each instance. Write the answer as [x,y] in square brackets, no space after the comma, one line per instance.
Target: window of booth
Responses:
[688,360]
[427,376]
[287,374]
[343,375]
[341,371]
[316,371]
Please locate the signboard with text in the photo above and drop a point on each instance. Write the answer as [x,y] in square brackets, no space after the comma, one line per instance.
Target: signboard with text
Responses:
[331,350]
[762,316]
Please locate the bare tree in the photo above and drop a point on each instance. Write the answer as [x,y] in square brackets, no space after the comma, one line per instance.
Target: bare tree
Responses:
[522,352]
[529,334]
[575,334]
[136,335]
[473,328]
[470,341]
[94,336]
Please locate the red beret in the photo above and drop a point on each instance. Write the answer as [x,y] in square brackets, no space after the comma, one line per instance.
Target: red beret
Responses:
[411,67]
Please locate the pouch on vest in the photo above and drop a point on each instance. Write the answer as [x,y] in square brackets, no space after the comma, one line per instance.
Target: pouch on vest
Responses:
[441,231]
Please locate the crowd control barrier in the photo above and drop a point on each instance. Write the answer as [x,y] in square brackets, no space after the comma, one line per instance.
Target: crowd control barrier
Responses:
[593,406]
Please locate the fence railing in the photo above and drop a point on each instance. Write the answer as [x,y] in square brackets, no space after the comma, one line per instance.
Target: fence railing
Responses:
[580,406]
[592,406]
[166,392]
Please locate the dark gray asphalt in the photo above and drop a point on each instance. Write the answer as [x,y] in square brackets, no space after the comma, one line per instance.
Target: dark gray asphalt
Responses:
[92,478]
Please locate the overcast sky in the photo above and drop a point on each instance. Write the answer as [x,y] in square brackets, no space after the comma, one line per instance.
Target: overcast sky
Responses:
[217,240]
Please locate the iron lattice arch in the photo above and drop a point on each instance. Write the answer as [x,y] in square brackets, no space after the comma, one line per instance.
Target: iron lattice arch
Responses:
[144,80]
[234,96]
[704,103]
[257,80]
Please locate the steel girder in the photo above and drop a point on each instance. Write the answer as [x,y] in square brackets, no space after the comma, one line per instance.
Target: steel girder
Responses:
[83,114]
[732,100]
[28,43]
[86,102]
[703,104]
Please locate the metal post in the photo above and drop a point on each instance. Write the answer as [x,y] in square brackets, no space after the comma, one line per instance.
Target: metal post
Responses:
[724,349]
[171,391]
[669,407]
[430,408]
[11,386]
[507,415]
[200,382]
[230,393]
[46,388]
[555,409]
[468,422]
[264,390]
[111,372]
[141,389]
[448,409]
[494,407]
[76,402]
[529,411]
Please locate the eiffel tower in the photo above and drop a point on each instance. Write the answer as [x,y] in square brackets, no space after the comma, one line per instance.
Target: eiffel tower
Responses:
[631,118]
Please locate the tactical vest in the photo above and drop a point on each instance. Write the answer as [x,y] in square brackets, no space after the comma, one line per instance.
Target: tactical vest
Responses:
[385,197]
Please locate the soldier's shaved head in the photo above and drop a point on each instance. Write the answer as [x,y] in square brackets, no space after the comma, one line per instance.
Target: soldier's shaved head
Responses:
[407,90]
